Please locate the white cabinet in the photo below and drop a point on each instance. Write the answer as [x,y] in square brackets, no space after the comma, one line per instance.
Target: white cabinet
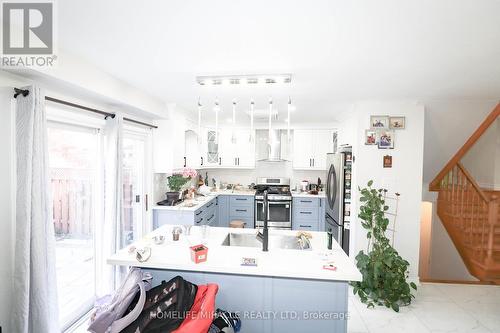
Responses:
[192,151]
[245,149]
[236,151]
[310,148]
[168,146]
[302,149]
[323,144]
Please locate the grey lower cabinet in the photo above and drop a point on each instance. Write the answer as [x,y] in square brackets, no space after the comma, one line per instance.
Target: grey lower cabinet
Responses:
[205,215]
[241,208]
[223,210]
[217,212]
[308,214]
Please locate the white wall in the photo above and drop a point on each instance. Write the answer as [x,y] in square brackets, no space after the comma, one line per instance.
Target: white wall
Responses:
[74,75]
[448,124]
[405,176]
[481,160]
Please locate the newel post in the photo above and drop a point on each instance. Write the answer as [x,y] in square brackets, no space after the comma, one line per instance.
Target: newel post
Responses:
[492,220]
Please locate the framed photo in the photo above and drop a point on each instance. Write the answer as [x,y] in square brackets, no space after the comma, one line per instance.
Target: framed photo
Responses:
[397,122]
[385,139]
[379,122]
[371,137]
[387,161]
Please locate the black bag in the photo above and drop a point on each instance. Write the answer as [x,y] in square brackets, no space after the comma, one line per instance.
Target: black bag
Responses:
[165,308]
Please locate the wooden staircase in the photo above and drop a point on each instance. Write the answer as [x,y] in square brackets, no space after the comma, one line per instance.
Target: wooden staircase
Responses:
[471,215]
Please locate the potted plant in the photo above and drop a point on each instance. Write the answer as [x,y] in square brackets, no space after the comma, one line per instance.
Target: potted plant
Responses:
[384,270]
[176,181]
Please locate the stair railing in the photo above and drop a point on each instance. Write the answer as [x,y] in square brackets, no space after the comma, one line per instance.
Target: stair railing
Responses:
[469,215]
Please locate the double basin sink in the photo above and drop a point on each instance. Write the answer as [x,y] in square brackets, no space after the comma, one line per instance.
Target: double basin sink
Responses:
[275,241]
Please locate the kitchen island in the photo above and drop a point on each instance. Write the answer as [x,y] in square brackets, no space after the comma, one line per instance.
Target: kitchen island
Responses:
[288,290]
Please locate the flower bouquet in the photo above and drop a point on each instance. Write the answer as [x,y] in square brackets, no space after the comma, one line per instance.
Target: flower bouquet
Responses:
[176,181]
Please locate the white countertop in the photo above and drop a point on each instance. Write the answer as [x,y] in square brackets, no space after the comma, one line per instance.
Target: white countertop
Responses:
[302,264]
[201,200]
[307,195]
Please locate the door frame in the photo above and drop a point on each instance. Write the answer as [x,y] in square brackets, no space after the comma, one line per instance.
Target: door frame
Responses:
[146,135]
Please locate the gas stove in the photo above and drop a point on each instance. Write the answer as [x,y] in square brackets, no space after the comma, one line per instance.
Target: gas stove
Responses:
[279,203]
[278,189]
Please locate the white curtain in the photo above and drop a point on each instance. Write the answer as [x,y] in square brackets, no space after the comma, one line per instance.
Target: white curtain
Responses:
[113,197]
[35,290]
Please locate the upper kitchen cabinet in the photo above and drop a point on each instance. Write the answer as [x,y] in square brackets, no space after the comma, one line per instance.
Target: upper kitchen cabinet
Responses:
[168,146]
[192,150]
[310,148]
[236,150]
[210,149]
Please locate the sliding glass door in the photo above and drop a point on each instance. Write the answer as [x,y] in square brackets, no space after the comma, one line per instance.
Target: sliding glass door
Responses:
[76,178]
[135,176]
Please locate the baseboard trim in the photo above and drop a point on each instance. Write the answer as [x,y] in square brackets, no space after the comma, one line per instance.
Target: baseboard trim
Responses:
[457,282]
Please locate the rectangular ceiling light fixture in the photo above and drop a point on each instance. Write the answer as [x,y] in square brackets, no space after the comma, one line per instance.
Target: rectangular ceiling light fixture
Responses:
[244,79]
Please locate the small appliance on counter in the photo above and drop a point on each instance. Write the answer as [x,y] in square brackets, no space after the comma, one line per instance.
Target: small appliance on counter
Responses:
[304,186]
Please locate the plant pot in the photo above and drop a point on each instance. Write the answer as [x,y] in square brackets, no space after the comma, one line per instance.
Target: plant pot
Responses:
[172,197]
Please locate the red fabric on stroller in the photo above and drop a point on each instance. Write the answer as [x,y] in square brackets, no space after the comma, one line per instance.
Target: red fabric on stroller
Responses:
[202,312]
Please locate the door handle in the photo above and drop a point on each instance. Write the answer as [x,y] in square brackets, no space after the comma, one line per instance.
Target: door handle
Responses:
[201,160]
[220,160]
[137,198]
[146,202]
[185,161]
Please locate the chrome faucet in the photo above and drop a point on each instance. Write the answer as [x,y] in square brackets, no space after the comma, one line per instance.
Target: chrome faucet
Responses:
[264,235]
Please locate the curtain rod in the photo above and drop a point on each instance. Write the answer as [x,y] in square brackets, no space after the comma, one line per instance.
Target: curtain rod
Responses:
[25,93]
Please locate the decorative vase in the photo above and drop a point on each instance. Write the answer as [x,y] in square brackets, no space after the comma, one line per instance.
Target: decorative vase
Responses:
[172,197]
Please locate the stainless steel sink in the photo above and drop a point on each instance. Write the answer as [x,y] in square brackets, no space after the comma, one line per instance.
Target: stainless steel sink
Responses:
[275,241]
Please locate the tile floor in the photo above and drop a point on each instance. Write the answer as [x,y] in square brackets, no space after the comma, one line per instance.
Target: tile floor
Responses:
[437,308]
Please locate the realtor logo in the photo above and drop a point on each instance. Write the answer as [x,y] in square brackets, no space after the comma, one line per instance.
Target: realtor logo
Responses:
[28,33]
[27,28]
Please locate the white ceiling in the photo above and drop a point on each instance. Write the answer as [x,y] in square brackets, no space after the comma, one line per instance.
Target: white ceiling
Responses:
[337,51]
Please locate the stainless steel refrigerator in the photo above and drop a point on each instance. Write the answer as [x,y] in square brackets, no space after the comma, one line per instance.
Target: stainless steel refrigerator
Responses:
[338,196]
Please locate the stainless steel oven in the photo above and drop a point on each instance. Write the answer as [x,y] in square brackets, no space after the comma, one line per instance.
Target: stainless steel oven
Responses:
[279,214]
[279,203]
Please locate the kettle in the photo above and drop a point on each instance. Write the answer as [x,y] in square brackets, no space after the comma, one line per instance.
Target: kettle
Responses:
[304,186]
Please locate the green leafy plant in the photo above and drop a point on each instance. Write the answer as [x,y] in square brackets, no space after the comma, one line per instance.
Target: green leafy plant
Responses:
[384,270]
[180,178]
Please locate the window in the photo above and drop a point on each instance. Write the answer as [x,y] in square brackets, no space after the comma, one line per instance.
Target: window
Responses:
[76,183]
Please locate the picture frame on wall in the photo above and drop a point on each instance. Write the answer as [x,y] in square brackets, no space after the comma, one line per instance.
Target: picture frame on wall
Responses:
[397,122]
[371,137]
[379,122]
[387,161]
[385,139]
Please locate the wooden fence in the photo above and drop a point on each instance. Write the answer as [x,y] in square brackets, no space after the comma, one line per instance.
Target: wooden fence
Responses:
[72,203]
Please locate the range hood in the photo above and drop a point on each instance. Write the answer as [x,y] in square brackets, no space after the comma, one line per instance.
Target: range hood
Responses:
[272,148]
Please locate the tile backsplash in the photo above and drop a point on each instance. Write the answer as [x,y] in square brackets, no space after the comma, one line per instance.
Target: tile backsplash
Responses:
[246,177]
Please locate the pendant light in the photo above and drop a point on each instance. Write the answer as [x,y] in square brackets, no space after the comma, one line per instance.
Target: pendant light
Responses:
[252,106]
[199,121]
[289,108]
[233,134]
[270,121]
[216,110]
